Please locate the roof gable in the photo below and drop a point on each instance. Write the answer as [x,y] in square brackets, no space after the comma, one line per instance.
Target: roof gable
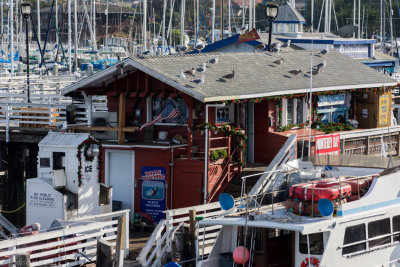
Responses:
[288,14]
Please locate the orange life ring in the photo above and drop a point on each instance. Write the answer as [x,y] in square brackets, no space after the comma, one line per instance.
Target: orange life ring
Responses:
[314,261]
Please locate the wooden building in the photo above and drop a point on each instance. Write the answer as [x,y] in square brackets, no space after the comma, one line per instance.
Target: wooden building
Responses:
[241,113]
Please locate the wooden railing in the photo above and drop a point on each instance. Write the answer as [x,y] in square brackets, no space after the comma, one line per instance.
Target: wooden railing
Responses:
[75,244]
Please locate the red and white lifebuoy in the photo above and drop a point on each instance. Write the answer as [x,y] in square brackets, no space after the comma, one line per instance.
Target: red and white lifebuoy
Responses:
[306,262]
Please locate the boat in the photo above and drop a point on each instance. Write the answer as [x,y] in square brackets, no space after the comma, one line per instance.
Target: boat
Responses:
[359,227]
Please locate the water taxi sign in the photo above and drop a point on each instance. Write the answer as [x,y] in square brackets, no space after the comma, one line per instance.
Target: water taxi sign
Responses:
[327,144]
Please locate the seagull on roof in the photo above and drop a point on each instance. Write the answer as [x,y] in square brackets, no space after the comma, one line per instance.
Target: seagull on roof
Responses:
[203,68]
[214,60]
[286,45]
[199,81]
[276,47]
[200,47]
[182,76]
[182,48]
[295,72]
[324,51]
[229,76]
[62,126]
[278,62]
[190,72]
[259,47]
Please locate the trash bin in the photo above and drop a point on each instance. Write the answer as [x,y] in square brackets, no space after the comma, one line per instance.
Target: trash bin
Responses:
[116,205]
[226,259]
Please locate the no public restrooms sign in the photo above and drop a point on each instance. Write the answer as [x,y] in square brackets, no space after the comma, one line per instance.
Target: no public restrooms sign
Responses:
[327,145]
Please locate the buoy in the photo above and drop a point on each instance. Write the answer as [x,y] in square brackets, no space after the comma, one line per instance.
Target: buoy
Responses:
[325,207]
[226,201]
[238,255]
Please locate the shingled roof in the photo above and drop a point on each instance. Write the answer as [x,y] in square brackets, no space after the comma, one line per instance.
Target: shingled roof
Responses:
[255,74]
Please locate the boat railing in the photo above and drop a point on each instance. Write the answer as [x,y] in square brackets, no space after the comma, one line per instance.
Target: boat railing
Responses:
[160,242]
[75,244]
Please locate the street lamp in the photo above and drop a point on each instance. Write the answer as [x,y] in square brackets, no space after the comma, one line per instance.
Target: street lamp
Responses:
[271,12]
[26,9]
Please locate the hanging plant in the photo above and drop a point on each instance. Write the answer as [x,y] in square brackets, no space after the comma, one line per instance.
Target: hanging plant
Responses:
[86,145]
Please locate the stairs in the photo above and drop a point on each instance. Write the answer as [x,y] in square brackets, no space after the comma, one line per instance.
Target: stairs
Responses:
[235,186]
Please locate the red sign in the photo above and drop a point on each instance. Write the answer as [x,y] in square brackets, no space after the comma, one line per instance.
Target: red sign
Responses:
[327,144]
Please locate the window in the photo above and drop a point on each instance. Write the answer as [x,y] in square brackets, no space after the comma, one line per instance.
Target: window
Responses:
[396,228]
[316,242]
[354,234]
[44,162]
[58,160]
[293,111]
[156,105]
[332,108]
[225,114]
[376,229]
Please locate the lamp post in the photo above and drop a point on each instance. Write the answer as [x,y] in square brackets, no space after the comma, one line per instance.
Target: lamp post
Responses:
[271,12]
[26,9]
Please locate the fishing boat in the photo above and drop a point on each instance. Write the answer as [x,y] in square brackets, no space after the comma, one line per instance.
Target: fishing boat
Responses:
[357,225]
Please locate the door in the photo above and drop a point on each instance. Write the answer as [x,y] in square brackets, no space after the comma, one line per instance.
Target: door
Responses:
[260,132]
[120,175]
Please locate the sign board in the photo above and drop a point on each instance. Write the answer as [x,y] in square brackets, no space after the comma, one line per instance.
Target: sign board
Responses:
[354,50]
[384,107]
[153,192]
[327,144]
[41,199]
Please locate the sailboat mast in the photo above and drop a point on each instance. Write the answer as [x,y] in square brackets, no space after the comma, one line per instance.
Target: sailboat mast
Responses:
[94,25]
[229,18]
[57,22]
[163,26]
[2,26]
[106,44]
[144,25]
[391,27]
[12,35]
[250,15]
[312,15]
[76,34]
[381,25]
[69,37]
[213,22]
[359,19]
[182,20]
[38,21]
[243,17]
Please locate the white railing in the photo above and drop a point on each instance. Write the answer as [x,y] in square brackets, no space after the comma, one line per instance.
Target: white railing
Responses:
[161,239]
[72,245]
[272,173]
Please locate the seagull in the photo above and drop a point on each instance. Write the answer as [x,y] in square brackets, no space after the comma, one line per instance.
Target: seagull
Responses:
[182,48]
[213,60]
[203,68]
[278,62]
[222,80]
[260,47]
[190,72]
[286,45]
[199,81]
[229,76]
[276,47]
[200,47]
[295,72]
[62,126]
[324,51]
[182,76]
[320,65]
[77,74]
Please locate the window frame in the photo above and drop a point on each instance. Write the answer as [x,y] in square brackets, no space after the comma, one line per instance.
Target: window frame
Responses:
[149,114]
[294,110]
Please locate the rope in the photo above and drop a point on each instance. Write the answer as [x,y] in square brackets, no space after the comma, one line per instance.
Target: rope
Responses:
[12,211]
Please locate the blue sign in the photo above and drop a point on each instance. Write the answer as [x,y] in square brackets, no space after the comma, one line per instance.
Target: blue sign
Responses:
[153,192]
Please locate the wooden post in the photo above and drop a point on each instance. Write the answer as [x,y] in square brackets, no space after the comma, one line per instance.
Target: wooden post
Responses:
[192,232]
[121,119]
[105,256]
[22,260]
[120,241]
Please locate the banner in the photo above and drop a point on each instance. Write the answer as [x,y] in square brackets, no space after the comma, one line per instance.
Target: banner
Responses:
[248,36]
[153,192]
[327,144]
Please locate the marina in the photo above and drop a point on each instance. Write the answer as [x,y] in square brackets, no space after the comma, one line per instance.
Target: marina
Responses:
[199,133]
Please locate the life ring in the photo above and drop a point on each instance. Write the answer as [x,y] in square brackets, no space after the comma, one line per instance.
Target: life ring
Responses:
[314,261]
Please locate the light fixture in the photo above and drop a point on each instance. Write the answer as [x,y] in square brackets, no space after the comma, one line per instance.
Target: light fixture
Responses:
[95,150]
[271,12]
[26,8]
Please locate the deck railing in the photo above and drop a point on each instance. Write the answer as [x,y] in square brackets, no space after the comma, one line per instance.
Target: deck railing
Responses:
[69,246]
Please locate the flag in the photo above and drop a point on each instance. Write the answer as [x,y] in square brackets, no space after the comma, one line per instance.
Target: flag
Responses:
[248,36]
[169,112]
